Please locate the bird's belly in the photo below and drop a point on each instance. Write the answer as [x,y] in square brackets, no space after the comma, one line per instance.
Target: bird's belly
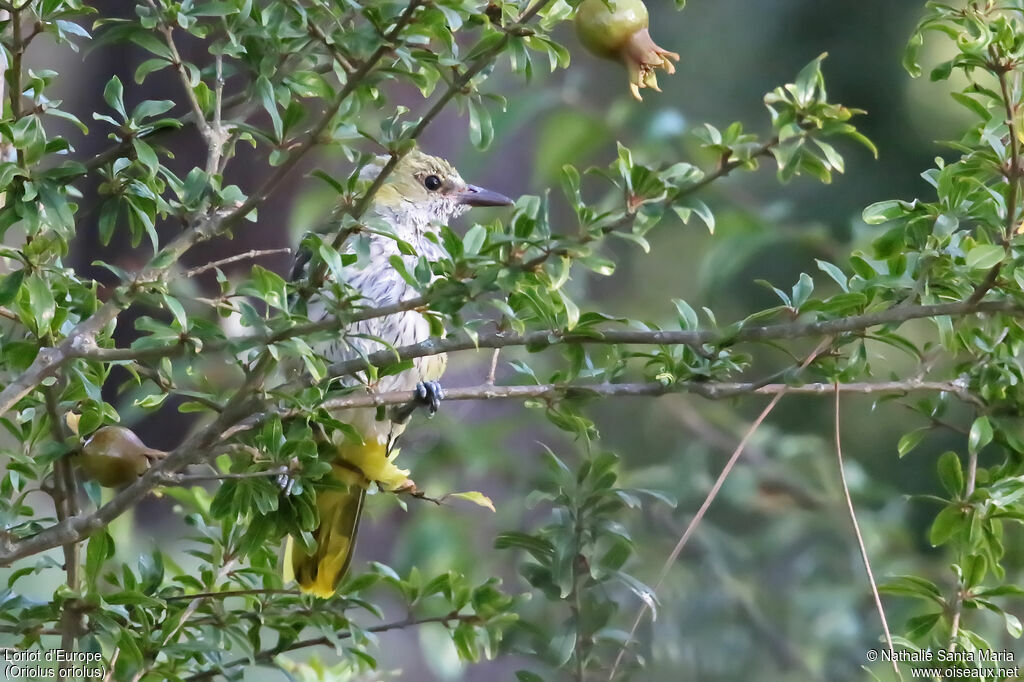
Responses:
[383,287]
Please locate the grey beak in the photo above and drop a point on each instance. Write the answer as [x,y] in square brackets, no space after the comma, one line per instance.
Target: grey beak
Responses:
[478,196]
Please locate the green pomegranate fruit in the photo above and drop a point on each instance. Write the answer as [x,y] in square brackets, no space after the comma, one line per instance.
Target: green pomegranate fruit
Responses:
[115,456]
[619,30]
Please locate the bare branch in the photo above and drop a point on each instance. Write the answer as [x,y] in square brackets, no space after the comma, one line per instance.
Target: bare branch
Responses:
[187,479]
[706,504]
[695,339]
[712,390]
[65,502]
[458,342]
[493,370]
[179,65]
[254,253]
[860,537]
[226,594]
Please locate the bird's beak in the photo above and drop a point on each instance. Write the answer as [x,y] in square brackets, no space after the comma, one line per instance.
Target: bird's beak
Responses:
[478,196]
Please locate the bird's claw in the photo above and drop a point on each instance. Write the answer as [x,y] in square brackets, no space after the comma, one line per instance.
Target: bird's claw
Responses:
[285,479]
[430,394]
[427,394]
[285,483]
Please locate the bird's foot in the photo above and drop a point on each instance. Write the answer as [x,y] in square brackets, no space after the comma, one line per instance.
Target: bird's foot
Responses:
[285,479]
[428,394]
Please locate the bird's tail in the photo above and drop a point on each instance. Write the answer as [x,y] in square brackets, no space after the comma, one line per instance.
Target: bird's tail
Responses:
[339,509]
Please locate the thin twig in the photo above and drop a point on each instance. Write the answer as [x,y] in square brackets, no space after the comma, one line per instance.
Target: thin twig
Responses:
[217,133]
[186,479]
[860,539]
[244,415]
[268,655]
[65,500]
[493,370]
[179,66]
[970,482]
[1012,174]
[552,392]
[709,498]
[226,594]
[254,253]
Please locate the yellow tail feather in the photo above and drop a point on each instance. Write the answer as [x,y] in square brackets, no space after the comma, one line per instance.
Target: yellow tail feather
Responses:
[339,509]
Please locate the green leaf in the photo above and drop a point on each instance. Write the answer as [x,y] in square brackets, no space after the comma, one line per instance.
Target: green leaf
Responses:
[703,212]
[687,317]
[802,290]
[883,211]
[909,441]
[809,81]
[265,93]
[10,285]
[113,94]
[1013,625]
[174,305]
[947,523]
[108,219]
[985,256]
[41,302]
[99,549]
[913,586]
[541,549]
[149,66]
[980,434]
[474,240]
[951,474]
[835,273]
[481,130]
[910,55]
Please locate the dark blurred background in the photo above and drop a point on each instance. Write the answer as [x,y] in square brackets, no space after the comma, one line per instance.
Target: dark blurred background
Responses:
[772,586]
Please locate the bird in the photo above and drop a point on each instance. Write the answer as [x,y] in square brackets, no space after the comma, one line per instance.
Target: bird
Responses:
[421,194]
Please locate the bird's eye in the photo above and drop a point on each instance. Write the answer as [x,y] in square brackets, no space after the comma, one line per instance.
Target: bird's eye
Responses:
[432,182]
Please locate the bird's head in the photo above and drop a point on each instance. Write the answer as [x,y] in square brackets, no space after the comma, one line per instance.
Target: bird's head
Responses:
[426,188]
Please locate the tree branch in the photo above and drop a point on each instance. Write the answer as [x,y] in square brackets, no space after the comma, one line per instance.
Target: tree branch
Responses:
[244,414]
[712,390]
[500,339]
[65,502]
[253,253]
[266,656]
[787,330]
[860,538]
